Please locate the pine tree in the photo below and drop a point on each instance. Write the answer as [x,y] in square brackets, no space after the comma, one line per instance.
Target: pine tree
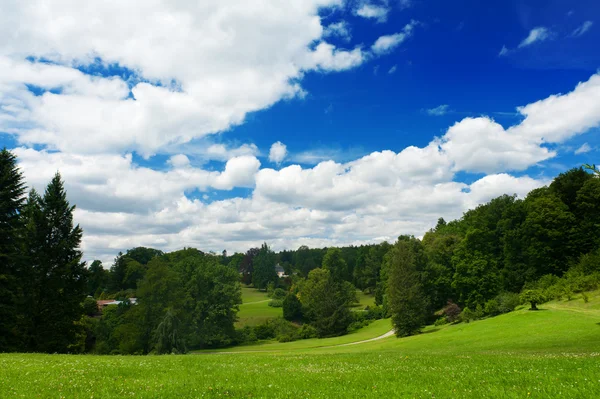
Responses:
[12,197]
[264,268]
[406,301]
[58,277]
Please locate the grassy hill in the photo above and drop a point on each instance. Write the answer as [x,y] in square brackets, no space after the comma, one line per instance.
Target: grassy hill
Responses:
[554,352]
[255,308]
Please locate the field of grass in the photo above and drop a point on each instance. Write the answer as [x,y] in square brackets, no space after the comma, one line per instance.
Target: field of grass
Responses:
[364,300]
[554,352]
[255,308]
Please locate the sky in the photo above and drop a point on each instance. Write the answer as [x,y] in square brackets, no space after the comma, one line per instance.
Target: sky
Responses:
[222,124]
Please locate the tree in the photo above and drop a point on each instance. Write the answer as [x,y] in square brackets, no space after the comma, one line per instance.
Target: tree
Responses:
[247,265]
[97,278]
[406,301]
[292,308]
[533,297]
[12,199]
[264,268]
[325,303]
[336,265]
[57,274]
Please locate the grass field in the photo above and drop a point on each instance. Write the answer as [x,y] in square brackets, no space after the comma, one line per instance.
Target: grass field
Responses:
[255,308]
[554,352]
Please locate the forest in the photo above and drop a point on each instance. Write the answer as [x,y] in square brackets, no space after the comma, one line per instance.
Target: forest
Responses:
[501,254]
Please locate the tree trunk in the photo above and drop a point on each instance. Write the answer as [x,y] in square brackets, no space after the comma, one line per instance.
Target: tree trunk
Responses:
[533,306]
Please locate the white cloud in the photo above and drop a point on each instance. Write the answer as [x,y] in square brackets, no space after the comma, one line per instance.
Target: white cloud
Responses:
[278,152]
[438,111]
[586,26]
[380,195]
[372,11]
[193,50]
[179,161]
[339,29]
[538,34]
[503,51]
[393,70]
[385,44]
[585,148]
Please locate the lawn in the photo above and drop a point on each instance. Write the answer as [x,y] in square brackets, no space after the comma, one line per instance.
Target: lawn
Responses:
[255,308]
[554,352]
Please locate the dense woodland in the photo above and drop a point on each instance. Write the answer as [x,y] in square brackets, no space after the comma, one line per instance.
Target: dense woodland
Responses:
[496,256]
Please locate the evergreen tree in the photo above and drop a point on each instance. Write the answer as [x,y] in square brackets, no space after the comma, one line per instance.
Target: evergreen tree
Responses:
[97,278]
[57,275]
[406,301]
[264,268]
[12,198]
[335,263]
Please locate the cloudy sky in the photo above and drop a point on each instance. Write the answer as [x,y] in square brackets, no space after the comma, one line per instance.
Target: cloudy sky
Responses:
[220,124]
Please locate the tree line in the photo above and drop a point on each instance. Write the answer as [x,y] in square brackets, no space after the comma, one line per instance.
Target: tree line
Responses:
[495,256]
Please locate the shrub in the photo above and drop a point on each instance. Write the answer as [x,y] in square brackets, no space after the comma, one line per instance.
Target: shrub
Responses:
[585,297]
[374,313]
[452,312]
[245,335]
[441,321]
[90,307]
[491,308]
[264,331]
[467,315]
[507,302]
[276,303]
[287,338]
[307,331]
[279,293]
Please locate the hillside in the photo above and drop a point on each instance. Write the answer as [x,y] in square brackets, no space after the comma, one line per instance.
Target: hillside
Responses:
[550,353]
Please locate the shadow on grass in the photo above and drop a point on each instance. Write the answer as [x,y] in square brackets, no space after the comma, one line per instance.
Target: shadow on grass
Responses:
[430,331]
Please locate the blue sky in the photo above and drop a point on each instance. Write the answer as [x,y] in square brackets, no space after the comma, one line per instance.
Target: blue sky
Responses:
[162,118]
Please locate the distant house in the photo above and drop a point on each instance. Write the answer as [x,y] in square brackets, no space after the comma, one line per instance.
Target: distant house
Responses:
[107,302]
[280,272]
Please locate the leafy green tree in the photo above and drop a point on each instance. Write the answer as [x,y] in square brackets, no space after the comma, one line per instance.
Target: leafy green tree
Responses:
[12,199]
[335,263]
[406,300]
[57,274]
[168,336]
[475,279]
[264,268]
[143,255]
[325,303]
[247,265]
[533,297]
[97,278]
[292,308]
[212,298]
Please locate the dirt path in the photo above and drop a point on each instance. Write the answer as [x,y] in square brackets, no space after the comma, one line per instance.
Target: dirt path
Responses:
[248,303]
[387,334]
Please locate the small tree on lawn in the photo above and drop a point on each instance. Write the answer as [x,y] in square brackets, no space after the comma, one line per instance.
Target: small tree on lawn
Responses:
[533,297]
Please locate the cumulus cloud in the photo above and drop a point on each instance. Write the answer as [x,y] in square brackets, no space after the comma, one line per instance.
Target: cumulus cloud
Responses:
[385,44]
[538,34]
[392,70]
[582,29]
[372,11]
[339,29]
[184,59]
[278,152]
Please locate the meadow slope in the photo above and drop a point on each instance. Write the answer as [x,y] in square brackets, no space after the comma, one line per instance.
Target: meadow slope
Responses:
[554,352]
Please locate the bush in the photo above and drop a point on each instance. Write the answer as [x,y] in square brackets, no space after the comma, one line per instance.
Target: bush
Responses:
[279,293]
[585,297]
[374,313]
[467,315]
[441,321]
[507,302]
[245,335]
[307,331]
[264,331]
[287,338]
[90,307]
[491,308]
[452,312]
[275,303]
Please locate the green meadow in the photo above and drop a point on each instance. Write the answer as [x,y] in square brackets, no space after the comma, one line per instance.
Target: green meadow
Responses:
[554,352]
[255,308]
